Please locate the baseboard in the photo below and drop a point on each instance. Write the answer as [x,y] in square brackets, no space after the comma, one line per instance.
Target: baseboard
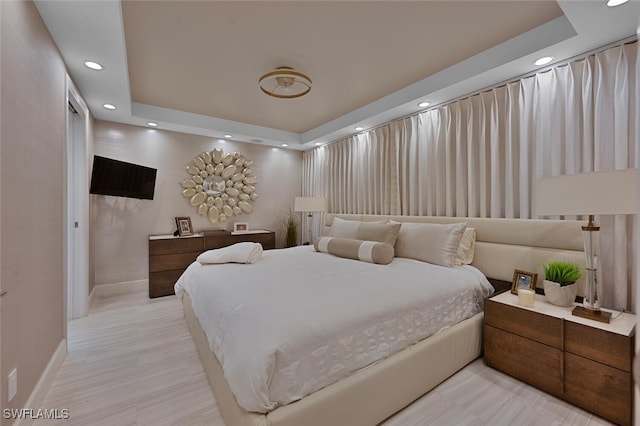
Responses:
[92,298]
[37,397]
[114,289]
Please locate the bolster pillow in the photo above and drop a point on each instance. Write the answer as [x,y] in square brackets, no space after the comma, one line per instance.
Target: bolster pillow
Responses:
[367,251]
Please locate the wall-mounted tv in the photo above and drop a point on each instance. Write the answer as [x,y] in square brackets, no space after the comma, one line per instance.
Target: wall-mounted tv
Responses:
[114,177]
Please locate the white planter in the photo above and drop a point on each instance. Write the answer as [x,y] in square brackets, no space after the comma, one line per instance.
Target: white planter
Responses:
[560,296]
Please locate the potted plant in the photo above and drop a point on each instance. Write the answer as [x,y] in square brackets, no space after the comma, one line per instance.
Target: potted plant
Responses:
[290,230]
[560,282]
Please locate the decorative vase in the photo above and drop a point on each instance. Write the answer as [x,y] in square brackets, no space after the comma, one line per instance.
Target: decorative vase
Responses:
[560,295]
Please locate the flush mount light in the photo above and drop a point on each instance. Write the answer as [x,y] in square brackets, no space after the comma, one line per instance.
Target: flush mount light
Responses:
[109,106]
[285,145]
[318,143]
[359,129]
[152,124]
[614,3]
[424,104]
[93,65]
[543,61]
[285,83]
[228,136]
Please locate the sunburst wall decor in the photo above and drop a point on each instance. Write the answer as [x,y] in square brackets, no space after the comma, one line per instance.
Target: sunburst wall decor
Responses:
[220,186]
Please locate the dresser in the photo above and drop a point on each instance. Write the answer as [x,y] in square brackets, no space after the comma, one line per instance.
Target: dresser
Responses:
[169,256]
[584,362]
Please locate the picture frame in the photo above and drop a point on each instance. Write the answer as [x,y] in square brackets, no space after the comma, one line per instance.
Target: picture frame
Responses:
[523,280]
[240,226]
[184,226]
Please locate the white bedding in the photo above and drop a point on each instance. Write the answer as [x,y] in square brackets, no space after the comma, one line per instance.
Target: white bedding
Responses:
[298,320]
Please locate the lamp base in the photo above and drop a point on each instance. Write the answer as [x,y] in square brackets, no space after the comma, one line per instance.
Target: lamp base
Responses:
[581,311]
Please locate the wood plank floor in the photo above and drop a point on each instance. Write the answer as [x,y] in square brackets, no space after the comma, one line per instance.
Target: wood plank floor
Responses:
[131,361]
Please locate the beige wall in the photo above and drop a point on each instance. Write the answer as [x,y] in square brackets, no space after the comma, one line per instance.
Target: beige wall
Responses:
[121,226]
[32,136]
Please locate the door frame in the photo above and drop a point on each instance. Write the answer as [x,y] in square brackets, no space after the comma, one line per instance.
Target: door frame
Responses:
[76,263]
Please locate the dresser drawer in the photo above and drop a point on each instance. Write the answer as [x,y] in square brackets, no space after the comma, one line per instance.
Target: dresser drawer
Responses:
[599,345]
[171,261]
[598,388]
[533,325]
[532,362]
[175,245]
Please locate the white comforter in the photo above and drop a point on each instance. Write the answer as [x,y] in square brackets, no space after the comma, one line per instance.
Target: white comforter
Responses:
[297,320]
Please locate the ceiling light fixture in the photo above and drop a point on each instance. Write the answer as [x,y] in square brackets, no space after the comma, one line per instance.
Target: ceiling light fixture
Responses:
[285,83]
[359,129]
[152,124]
[93,65]
[318,143]
[543,61]
[285,145]
[109,106]
[614,3]
[424,104]
[228,136]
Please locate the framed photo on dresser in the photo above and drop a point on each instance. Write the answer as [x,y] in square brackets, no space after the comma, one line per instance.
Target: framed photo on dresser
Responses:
[184,226]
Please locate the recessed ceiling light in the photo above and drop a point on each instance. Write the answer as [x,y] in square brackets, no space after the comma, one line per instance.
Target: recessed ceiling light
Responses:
[152,124]
[614,3]
[318,143]
[359,128]
[543,61]
[93,65]
[424,104]
[285,145]
[109,106]
[228,136]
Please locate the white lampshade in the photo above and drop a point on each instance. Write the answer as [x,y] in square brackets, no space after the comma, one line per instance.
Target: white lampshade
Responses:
[611,192]
[309,204]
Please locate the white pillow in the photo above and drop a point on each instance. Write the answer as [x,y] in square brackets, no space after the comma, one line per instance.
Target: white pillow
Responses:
[344,228]
[466,249]
[430,242]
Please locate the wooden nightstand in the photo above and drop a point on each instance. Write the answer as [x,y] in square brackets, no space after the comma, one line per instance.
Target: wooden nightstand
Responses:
[581,361]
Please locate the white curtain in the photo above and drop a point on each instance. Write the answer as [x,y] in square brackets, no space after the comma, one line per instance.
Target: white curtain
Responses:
[479,156]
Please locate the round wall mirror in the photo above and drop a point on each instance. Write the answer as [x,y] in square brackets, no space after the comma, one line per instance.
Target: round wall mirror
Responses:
[220,186]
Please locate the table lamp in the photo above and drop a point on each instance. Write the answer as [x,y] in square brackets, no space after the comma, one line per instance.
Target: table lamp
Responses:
[309,205]
[597,193]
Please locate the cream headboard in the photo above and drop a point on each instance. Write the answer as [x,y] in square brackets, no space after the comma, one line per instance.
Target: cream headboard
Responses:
[503,245]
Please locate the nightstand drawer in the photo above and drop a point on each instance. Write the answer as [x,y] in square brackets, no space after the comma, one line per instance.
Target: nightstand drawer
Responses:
[533,325]
[599,345]
[535,363]
[599,388]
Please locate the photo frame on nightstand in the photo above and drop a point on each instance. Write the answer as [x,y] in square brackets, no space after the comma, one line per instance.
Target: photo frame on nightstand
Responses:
[523,280]
[184,226]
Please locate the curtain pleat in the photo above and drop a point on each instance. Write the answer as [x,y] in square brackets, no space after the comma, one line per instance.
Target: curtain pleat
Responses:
[480,156]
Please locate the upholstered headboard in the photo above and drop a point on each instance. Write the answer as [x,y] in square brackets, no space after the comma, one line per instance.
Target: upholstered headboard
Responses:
[503,245]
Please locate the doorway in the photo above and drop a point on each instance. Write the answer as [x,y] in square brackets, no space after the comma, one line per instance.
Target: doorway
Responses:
[77,206]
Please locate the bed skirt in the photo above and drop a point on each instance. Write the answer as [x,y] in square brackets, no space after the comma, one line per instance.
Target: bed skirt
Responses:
[365,398]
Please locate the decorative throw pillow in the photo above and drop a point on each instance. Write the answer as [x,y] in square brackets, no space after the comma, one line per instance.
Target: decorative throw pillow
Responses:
[378,231]
[466,249]
[368,251]
[430,242]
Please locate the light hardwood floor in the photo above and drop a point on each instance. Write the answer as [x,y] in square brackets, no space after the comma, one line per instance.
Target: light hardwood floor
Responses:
[131,361]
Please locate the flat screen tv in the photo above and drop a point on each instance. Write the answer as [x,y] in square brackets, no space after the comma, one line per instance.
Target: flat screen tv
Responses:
[113,177]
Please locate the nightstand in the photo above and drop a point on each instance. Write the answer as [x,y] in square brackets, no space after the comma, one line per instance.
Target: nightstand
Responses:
[584,362]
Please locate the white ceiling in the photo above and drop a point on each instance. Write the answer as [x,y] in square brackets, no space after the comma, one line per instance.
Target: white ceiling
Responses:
[194,66]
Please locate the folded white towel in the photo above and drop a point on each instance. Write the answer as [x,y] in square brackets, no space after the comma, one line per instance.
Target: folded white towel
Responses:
[237,253]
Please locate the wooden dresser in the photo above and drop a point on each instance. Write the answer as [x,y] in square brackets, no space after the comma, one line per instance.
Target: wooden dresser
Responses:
[582,361]
[169,256]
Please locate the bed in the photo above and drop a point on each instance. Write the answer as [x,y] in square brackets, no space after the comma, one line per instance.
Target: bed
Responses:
[376,388]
